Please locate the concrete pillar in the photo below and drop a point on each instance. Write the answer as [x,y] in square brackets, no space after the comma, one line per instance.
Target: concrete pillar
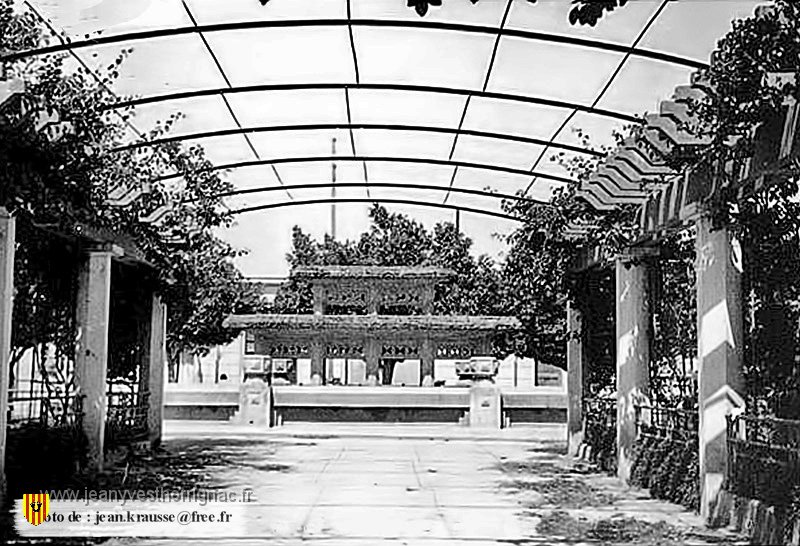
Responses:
[7,238]
[427,298]
[485,346]
[427,359]
[317,355]
[91,358]
[373,299]
[574,379]
[157,357]
[372,356]
[720,338]
[318,295]
[633,353]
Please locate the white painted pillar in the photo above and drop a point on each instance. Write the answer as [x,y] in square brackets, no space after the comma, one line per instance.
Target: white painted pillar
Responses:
[720,337]
[575,365]
[633,353]
[427,359]
[157,366]
[91,358]
[372,357]
[7,240]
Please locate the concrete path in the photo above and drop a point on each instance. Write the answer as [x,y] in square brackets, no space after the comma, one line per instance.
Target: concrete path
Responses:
[344,484]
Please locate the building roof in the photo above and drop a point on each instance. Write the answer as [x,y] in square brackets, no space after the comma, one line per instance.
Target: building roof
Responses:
[361,323]
[370,272]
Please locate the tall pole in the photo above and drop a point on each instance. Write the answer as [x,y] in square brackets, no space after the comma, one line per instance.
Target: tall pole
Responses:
[458,220]
[333,190]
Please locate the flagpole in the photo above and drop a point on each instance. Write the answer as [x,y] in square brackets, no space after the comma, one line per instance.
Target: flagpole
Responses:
[333,190]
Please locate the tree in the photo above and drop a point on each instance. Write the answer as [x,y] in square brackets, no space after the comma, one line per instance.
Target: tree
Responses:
[394,239]
[57,181]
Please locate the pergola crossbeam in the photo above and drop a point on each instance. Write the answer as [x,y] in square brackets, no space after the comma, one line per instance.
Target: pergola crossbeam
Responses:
[394,185]
[411,202]
[376,159]
[361,23]
[490,95]
[365,126]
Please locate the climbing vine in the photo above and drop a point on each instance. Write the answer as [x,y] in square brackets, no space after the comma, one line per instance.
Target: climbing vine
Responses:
[753,76]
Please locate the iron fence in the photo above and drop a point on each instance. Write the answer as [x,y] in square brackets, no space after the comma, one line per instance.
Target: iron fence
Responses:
[126,417]
[665,457]
[668,423]
[763,458]
[46,409]
[600,430]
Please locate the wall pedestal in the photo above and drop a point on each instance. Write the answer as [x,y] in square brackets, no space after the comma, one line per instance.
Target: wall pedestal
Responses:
[484,405]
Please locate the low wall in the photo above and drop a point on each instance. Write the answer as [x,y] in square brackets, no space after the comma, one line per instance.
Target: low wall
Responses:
[199,402]
[364,404]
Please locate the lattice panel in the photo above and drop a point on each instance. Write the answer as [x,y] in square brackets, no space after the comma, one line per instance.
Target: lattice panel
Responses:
[287,350]
[401,299]
[450,351]
[344,350]
[346,297]
[399,350]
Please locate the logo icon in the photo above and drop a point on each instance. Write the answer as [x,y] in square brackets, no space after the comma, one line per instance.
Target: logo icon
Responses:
[35,506]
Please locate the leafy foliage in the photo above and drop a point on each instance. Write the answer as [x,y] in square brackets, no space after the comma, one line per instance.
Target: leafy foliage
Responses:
[584,12]
[537,274]
[674,345]
[56,181]
[740,112]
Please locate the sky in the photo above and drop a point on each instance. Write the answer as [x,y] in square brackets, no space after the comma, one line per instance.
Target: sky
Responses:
[387,55]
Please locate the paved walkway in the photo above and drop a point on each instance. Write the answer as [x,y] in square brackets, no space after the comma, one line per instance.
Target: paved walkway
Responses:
[335,484]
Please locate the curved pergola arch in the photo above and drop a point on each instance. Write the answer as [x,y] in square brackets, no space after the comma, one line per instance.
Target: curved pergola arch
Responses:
[357,23]
[412,202]
[356,126]
[464,92]
[391,185]
[374,159]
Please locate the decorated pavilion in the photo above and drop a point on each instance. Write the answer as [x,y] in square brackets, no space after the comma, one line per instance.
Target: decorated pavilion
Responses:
[379,315]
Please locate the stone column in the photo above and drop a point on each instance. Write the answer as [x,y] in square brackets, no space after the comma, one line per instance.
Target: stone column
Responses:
[575,365]
[427,358]
[633,353]
[317,355]
[427,298]
[720,338]
[374,295]
[372,356]
[7,238]
[157,359]
[91,358]
[485,346]
[318,295]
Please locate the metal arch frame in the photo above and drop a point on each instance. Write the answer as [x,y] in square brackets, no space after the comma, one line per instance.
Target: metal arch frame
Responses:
[376,159]
[461,92]
[378,200]
[368,23]
[364,126]
[363,184]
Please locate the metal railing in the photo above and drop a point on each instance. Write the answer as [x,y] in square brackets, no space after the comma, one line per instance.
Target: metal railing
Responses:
[763,458]
[669,423]
[126,417]
[47,410]
[600,429]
